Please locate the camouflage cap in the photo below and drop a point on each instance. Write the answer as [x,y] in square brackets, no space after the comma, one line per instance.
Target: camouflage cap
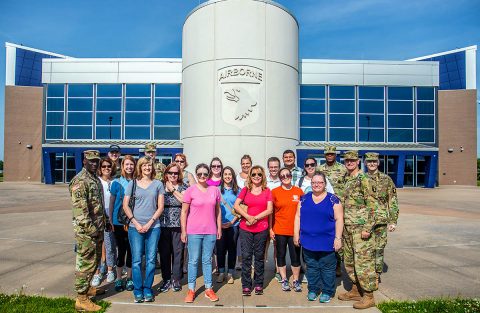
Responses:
[330,149]
[371,156]
[351,155]
[150,147]
[91,154]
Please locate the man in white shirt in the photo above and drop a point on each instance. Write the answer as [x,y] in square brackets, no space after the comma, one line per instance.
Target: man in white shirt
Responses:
[273,181]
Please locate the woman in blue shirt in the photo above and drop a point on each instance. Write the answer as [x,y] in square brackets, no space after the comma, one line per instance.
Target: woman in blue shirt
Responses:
[228,243]
[318,228]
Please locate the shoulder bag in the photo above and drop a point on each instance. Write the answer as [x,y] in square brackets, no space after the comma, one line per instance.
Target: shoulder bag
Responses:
[121,216]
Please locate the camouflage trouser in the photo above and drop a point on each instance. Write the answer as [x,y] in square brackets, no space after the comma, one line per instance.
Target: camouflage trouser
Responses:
[89,254]
[359,257]
[380,232]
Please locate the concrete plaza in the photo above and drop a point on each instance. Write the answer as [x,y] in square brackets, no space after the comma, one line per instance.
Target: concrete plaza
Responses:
[434,252]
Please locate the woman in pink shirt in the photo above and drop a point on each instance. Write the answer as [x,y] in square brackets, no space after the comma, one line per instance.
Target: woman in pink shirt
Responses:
[215,176]
[201,224]
[254,227]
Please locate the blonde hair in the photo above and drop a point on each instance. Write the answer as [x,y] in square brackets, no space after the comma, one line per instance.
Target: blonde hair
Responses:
[249,183]
[130,158]
[138,168]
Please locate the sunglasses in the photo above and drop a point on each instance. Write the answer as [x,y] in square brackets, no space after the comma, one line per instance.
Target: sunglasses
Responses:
[257,174]
[309,164]
[172,173]
[202,175]
[106,166]
[179,161]
[286,176]
[216,166]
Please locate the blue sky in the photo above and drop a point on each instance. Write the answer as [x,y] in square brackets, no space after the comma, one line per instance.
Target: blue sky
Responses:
[341,29]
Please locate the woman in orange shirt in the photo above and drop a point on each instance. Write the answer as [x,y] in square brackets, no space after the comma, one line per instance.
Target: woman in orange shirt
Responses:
[285,202]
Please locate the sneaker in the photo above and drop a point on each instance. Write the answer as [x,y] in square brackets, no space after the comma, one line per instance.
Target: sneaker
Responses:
[176,286]
[297,286]
[97,280]
[324,298]
[305,280]
[312,296]
[246,291]
[138,298]
[129,285]
[210,294]
[259,290]
[190,296]
[238,266]
[230,279]
[285,285]
[278,277]
[119,285]
[166,285]
[110,277]
[149,297]
[221,278]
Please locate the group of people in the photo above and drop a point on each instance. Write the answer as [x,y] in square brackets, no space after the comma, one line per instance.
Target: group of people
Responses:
[126,213]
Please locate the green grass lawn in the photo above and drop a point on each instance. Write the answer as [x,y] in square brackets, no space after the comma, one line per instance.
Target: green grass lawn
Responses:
[37,304]
[431,305]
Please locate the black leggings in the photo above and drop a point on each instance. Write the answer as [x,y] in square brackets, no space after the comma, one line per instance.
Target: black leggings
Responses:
[228,243]
[281,242]
[123,246]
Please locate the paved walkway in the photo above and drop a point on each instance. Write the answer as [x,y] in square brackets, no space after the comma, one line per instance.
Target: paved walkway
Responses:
[435,251]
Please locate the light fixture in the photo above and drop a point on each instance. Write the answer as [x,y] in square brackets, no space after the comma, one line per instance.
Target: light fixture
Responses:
[29,147]
[450,150]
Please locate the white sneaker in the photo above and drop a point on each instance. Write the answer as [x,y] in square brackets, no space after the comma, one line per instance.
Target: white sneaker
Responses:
[304,280]
[97,279]
[110,277]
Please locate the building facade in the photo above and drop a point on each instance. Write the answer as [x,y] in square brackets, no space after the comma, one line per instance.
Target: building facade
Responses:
[251,95]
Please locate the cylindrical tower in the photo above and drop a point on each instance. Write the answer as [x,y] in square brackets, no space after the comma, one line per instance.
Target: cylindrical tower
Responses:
[240,91]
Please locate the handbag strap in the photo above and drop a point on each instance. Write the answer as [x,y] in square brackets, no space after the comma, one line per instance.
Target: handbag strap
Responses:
[134,189]
[229,206]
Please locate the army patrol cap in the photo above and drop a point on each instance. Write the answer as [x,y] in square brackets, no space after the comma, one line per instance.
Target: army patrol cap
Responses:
[150,147]
[351,155]
[114,148]
[330,149]
[371,156]
[91,154]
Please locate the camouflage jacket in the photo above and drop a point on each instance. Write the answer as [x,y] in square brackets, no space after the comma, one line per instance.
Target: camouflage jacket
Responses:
[386,196]
[159,169]
[335,175]
[358,201]
[89,216]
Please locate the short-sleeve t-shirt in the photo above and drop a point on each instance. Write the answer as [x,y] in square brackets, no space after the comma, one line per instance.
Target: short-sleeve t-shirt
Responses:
[117,189]
[146,201]
[285,203]
[201,219]
[212,182]
[256,204]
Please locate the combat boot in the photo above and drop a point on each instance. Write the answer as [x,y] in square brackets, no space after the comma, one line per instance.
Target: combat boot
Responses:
[366,302]
[94,291]
[352,295]
[84,304]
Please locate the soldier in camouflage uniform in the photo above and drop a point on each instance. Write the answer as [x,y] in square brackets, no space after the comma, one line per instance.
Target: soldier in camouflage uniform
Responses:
[335,172]
[359,243]
[151,151]
[89,222]
[386,215]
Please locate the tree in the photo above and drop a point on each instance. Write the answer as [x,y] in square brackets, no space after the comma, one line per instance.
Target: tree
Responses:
[1,165]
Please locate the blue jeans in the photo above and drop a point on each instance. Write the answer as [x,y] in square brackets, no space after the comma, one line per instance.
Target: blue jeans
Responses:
[320,271]
[141,244]
[200,244]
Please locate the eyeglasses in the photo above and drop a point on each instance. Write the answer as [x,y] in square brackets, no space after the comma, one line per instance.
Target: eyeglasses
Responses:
[106,166]
[257,174]
[202,174]
[317,183]
[309,165]
[286,176]
[216,166]
[172,173]
[179,161]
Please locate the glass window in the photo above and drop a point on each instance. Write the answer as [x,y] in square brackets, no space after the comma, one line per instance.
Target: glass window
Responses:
[400,107]
[342,120]
[167,90]
[368,106]
[365,92]
[425,93]
[54,132]
[342,134]
[55,104]
[80,104]
[133,104]
[312,91]
[55,118]
[342,92]
[55,90]
[136,118]
[314,106]
[400,93]
[400,135]
[163,119]
[400,121]
[109,104]
[137,132]
[369,120]
[109,90]
[104,118]
[167,104]
[80,90]
[79,132]
[426,135]
[80,118]
[312,120]
[342,106]
[107,132]
[312,134]
[425,121]
[138,90]
[371,135]
[167,133]
[425,107]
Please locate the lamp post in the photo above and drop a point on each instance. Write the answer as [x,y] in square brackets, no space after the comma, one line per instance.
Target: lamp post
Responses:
[110,119]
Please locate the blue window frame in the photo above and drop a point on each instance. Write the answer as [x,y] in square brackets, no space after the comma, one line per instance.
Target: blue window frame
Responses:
[426,114]
[371,106]
[56,90]
[80,111]
[312,133]
[371,121]
[342,92]
[312,120]
[138,111]
[370,92]
[28,67]
[167,90]
[452,70]
[109,113]
[167,112]
[371,114]
[312,92]
[400,114]
[371,135]
[138,90]
[312,112]
[109,90]
[54,111]
[400,93]
[341,127]
[342,134]
[400,135]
